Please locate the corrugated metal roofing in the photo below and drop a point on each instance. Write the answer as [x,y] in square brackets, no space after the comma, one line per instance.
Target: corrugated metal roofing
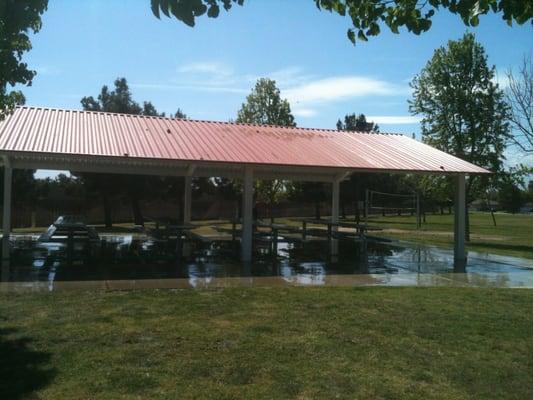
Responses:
[46,130]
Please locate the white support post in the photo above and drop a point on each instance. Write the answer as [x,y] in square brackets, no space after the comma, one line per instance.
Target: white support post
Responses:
[335,201]
[6,221]
[335,195]
[418,220]
[187,200]
[367,209]
[460,222]
[247,214]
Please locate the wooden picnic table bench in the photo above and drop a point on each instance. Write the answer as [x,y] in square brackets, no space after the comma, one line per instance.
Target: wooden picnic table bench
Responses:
[360,229]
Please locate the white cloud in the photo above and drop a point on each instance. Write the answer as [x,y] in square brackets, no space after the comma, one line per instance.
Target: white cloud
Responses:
[206,67]
[48,70]
[192,87]
[305,92]
[501,78]
[304,112]
[288,77]
[339,88]
[394,119]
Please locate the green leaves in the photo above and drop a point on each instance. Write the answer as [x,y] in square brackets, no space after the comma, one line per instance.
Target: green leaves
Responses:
[369,16]
[213,11]
[265,106]
[351,35]
[17,18]
[464,112]
[357,123]
[188,10]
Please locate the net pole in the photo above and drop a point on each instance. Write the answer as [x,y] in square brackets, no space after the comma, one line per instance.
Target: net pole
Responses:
[366,206]
[418,224]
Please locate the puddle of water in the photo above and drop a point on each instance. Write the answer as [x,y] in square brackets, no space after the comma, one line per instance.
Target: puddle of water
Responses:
[127,262]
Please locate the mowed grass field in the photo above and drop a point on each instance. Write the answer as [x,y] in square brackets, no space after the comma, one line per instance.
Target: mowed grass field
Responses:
[290,343]
[512,235]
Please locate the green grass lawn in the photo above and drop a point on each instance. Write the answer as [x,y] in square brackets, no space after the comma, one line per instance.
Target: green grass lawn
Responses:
[512,235]
[293,343]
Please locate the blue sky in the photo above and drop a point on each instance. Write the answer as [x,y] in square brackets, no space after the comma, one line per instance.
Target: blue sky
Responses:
[207,71]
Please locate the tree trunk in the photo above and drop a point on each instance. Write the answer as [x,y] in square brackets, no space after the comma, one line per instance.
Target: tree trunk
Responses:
[357,197]
[357,213]
[271,211]
[489,206]
[180,214]
[317,210]
[239,208]
[137,214]
[467,222]
[108,220]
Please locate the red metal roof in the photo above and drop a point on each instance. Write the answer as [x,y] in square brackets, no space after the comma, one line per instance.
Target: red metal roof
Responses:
[46,130]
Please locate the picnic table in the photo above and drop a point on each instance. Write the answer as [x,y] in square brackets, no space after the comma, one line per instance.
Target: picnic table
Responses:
[272,232]
[170,230]
[360,229]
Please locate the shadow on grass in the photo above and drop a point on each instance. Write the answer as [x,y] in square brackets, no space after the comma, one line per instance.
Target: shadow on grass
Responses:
[22,369]
[502,246]
[408,220]
[377,220]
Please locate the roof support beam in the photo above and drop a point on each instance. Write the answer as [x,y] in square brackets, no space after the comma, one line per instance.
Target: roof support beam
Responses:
[6,220]
[109,165]
[187,200]
[247,214]
[335,201]
[459,249]
[190,169]
[344,176]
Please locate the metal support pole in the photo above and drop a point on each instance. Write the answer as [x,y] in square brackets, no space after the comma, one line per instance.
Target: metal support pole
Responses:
[6,221]
[335,196]
[366,206]
[335,192]
[418,224]
[187,200]
[247,214]
[460,222]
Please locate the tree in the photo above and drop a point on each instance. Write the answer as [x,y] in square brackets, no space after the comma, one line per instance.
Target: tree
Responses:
[120,100]
[357,123]
[265,106]
[464,112]
[351,189]
[17,19]
[368,16]
[179,114]
[519,95]
[316,192]
[511,189]
[270,192]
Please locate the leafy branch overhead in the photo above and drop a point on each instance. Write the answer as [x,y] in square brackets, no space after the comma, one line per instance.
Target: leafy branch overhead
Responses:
[369,16]
[17,19]
[187,10]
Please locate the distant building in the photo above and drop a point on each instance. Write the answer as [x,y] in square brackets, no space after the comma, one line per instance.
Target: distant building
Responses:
[527,207]
[482,205]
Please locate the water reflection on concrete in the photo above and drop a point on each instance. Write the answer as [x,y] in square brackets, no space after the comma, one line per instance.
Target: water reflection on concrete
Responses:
[124,262]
